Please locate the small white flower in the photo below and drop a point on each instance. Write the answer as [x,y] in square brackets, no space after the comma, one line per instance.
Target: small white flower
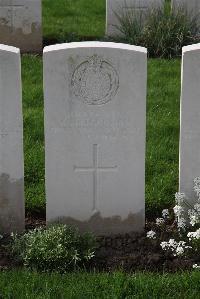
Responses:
[194,235]
[90,255]
[165,213]
[179,250]
[194,215]
[172,243]
[195,266]
[151,234]
[164,245]
[76,257]
[178,210]
[160,221]
[190,236]
[197,207]
[1,237]
[198,234]
[181,223]
[193,220]
[182,243]
[197,180]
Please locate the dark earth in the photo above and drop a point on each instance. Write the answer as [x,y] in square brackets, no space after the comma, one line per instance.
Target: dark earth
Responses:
[130,252]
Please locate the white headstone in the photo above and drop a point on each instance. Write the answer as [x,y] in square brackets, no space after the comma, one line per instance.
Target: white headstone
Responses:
[133,8]
[11,142]
[95,99]
[190,120]
[21,24]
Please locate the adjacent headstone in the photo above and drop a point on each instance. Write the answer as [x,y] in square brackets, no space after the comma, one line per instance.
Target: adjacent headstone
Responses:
[191,6]
[21,24]
[190,120]
[11,142]
[95,110]
[128,8]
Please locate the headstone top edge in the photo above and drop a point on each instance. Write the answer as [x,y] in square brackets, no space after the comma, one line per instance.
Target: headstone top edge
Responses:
[9,49]
[94,44]
[190,48]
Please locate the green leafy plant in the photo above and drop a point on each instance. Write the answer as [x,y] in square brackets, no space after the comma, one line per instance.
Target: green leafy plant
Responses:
[57,248]
[130,26]
[162,33]
[165,34]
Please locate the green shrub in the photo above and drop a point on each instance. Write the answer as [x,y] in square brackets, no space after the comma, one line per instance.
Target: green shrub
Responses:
[164,33]
[130,26]
[57,248]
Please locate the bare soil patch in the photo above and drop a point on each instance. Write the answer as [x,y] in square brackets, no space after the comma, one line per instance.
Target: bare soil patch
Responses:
[129,252]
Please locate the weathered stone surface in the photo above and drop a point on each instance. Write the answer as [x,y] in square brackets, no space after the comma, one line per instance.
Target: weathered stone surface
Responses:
[192,6]
[95,99]
[11,142]
[190,120]
[133,8]
[21,24]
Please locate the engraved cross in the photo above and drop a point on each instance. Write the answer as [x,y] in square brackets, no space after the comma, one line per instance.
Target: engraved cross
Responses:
[95,169]
[11,8]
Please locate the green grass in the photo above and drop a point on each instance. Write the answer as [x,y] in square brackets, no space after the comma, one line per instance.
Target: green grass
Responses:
[30,285]
[33,132]
[162,133]
[63,18]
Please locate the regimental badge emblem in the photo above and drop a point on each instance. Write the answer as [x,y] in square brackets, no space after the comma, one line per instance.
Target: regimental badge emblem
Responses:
[95,81]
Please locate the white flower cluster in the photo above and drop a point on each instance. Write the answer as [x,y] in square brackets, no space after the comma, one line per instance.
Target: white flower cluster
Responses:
[179,214]
[183,212]
[195,266]
[194,215]
[177,248]
[179,210]
[181,223]
[160,221]
[165,216]
[165,213]
[151,234]
[197,207]
[193,212]
[194,235]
